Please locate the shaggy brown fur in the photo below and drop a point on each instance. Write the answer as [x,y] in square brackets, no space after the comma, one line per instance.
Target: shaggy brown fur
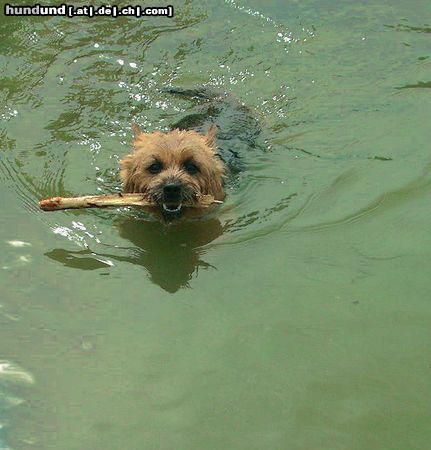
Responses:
[173,169]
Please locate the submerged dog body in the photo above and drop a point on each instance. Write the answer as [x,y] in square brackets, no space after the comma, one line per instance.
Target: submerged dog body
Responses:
[173,169]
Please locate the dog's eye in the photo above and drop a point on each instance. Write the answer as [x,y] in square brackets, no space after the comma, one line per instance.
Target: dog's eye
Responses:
[155,168]
[191,168]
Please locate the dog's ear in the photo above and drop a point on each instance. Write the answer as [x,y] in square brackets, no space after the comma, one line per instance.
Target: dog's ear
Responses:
[211,135]
[136,130]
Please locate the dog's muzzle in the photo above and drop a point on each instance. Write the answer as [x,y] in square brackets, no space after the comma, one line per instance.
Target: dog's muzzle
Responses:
[172,198]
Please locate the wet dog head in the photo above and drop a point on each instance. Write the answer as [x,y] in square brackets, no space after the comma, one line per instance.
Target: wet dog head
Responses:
[173,169]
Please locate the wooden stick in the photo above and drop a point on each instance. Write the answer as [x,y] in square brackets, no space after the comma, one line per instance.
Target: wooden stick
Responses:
[103,201]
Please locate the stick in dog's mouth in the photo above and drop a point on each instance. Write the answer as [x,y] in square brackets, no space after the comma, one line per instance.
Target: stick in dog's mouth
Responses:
[117,200]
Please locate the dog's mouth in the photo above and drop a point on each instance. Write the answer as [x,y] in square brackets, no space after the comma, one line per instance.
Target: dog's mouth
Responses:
[172,208]
[172,198]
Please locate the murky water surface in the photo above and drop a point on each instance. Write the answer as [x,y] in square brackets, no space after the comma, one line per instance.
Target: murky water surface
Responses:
[298,316]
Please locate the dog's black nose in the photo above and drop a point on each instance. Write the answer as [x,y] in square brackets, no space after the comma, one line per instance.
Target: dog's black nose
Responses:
[171,191]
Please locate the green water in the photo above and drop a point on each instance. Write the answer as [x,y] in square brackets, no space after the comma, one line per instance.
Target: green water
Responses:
[298,317]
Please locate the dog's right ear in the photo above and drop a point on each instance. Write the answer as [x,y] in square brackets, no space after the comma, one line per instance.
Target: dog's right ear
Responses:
[211,135]
[136,130]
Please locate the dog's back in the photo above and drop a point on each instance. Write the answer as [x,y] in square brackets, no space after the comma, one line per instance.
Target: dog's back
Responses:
[238,127]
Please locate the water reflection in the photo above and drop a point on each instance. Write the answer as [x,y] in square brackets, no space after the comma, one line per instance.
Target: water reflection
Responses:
[13,381]
[172,254]
[78,259]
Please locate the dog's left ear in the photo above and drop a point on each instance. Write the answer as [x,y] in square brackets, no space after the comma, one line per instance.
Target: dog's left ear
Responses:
[211,135]
[136,130]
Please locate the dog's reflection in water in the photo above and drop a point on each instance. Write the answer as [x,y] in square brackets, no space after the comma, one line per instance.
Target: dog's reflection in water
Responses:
[172,254]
